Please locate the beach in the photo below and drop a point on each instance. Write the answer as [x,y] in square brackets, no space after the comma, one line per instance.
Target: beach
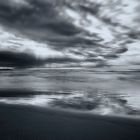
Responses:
[22,123]
[68,105]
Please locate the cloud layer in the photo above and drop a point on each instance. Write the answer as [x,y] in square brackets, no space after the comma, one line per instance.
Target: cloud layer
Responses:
[75,33]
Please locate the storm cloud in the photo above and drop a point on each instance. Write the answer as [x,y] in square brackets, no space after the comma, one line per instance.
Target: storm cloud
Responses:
[12,59]
[80,32]
[36,15]
[25,60]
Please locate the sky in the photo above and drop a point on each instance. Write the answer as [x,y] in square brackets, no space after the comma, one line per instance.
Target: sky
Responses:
[70,33]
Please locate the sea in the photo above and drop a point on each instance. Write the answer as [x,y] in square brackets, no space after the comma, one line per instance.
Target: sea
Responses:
[79,90]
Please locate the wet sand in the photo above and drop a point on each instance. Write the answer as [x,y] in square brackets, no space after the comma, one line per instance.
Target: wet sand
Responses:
[34,123]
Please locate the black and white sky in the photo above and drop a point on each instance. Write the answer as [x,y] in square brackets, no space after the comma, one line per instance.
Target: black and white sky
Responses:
[66,33]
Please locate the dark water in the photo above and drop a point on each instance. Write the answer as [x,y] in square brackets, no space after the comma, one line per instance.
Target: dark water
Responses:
[98,92]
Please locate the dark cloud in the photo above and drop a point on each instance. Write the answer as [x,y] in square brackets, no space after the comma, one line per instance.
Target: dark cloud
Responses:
[110,56]
[91,8]
[121,50]
[23,60]
[40,20]
[42,16]
[13,59]
[45,21]
[62,28]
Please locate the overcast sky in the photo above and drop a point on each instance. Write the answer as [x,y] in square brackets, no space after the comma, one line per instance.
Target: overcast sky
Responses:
[84,33]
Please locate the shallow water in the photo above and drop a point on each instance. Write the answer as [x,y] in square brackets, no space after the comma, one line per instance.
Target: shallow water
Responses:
[86,90]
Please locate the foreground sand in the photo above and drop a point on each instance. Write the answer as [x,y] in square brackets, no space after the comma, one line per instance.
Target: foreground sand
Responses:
[31,123]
